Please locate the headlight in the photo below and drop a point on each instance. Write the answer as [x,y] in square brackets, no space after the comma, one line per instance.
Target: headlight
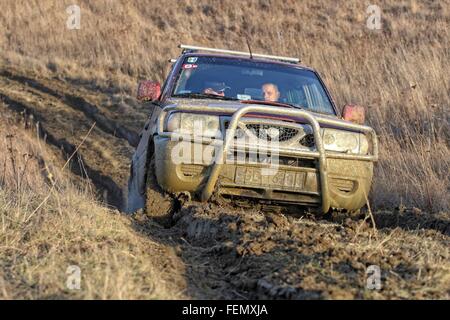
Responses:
[344,141]
[193,124]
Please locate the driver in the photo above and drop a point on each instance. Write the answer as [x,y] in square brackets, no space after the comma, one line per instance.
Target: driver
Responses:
[270,92]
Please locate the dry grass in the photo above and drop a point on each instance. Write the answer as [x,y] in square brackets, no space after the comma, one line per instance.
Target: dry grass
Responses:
[71,228]
[400,74]
[120,42]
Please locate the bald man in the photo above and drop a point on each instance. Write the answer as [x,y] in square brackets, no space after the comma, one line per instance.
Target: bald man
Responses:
[270,92]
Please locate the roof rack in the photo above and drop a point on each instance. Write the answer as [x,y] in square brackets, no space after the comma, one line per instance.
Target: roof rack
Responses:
[241,53]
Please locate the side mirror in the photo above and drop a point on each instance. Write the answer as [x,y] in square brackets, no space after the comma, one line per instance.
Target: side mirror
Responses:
[148,90]
[354,113]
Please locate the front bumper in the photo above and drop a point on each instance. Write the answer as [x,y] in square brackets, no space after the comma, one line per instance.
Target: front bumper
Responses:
[349,180]
[330,180]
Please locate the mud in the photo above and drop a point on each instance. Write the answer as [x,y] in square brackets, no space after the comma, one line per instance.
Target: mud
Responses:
[64,113]
[217,250]
[236,254]
[90,110]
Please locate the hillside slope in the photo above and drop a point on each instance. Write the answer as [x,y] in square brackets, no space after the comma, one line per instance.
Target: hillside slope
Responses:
[41,237]
[56,83]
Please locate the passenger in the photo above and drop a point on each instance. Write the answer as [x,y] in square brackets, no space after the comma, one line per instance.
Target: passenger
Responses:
[270,92]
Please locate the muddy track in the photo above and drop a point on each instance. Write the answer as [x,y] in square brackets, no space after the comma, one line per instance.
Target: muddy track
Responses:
[230,253]
[91,111]
[103,183]
[219,251]
[64,119]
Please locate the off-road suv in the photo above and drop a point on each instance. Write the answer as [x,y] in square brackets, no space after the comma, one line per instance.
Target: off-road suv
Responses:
[238,125]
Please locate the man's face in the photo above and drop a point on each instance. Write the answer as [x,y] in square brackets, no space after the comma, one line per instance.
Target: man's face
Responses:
[271,92]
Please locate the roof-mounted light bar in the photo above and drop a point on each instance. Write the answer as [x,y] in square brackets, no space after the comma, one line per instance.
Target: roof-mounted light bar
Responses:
[241,53]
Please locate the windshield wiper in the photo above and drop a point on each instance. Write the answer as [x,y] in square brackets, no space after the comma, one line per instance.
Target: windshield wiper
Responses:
[203,96]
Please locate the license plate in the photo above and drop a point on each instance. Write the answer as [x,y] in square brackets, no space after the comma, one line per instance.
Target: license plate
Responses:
[280,179]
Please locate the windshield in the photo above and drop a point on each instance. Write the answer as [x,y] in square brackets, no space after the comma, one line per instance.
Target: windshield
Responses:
[230,79]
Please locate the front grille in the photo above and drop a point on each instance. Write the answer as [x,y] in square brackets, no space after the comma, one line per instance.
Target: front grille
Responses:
[272,132]
[297,162]
[246,157]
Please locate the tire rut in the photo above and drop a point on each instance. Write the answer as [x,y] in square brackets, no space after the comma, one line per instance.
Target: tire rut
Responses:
[114,194]
[90,110]
[105,157]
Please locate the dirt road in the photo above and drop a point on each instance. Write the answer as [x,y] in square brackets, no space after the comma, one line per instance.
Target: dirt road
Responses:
[228,252]
[65,111]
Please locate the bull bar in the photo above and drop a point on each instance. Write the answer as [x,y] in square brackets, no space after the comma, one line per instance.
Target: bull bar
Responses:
[314,121]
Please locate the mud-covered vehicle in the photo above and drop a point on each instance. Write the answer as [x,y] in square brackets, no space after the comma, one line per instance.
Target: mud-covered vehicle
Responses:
[251,128]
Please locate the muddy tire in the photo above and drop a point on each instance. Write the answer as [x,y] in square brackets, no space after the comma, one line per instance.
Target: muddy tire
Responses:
[159,205]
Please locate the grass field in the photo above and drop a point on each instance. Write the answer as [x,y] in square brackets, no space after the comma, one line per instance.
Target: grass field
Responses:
[399,73]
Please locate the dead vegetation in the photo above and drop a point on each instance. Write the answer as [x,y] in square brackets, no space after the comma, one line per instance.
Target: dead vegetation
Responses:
[40,239]
[66,80]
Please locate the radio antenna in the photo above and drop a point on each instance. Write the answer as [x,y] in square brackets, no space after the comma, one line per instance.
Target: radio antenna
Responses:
[249,48]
